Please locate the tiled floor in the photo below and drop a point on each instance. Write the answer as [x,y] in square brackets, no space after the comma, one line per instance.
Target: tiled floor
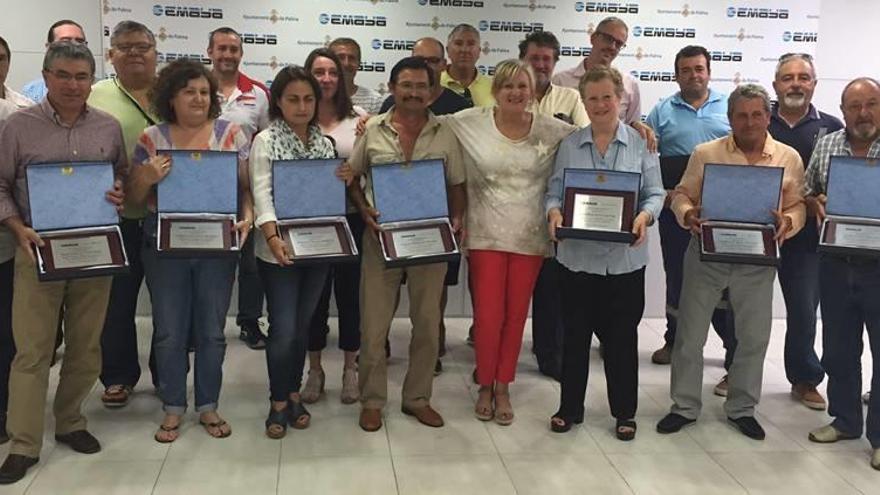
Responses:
[466,456]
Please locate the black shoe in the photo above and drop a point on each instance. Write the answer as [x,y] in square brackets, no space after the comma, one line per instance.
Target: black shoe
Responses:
[81,441]
[252,336]
[438,368]
[4,436]
[672,423]
[15,467]
[748,426]
[387,349]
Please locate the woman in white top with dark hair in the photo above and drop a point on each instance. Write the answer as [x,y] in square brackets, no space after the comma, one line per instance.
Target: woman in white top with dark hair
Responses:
[338,119]
[509,157]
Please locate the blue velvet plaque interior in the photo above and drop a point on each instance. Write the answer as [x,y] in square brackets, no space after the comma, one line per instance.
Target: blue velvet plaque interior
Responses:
[200,182]
[741,193]
[307,188]
[413,191]
[70,195]
[603,180]
[852,185]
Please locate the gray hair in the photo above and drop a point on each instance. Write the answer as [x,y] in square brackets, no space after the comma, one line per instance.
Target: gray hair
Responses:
[789,57]
[462,28]
[70,51]
[747,92]
[125,27]
[612,20]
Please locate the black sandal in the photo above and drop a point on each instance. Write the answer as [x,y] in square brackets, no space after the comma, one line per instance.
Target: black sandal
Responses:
[561,424]
[296,411]
[276,418]
[625,429]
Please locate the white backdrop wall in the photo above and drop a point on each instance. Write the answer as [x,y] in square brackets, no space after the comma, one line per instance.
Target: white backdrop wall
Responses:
[745,38]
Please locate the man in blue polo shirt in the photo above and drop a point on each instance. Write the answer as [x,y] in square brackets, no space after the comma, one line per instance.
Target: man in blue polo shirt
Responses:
[694,115]
[797,123]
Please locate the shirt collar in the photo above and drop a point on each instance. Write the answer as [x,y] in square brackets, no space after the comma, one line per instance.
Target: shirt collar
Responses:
[812,114]
[714,96]
[769,145]
[386,120]
[244,83]
[621,136]
[50,112]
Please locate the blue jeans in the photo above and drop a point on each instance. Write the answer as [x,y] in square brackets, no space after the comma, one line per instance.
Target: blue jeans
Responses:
[189,294]
[292,295]
[799,278]
[850,291]
[673,244]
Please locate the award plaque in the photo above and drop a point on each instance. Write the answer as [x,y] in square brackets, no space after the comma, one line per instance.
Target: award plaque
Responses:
[413,213]
[852,224]
[79,227]
[310,207]
[738,203]
[599,205]
[198,204]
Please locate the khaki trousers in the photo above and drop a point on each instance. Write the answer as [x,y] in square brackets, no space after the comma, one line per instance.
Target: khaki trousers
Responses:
[35,309]
[380,287]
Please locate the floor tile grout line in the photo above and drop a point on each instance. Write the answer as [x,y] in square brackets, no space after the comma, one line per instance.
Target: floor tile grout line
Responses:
[161,469]
[391,458]
[845,480]
[734,478]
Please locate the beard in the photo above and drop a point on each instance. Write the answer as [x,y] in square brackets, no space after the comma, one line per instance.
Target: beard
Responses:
[794,101]
[865,131]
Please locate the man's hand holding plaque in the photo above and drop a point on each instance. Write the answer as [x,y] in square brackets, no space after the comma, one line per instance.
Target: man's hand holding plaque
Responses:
[850,214]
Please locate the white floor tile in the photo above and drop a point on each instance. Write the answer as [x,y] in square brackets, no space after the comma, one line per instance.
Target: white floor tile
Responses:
[372,475]
[683,474]
[452,475]
[196,476]
[564,474]
[761,473]
[97,477]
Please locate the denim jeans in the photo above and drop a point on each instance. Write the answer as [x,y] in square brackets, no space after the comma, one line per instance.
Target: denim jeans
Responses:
[850,291]
[673,244]
[250,288]
[799,278]
[292,295]
[189,295]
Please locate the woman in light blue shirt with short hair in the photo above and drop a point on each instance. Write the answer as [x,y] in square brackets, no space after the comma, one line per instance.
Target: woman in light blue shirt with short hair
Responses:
[603,283]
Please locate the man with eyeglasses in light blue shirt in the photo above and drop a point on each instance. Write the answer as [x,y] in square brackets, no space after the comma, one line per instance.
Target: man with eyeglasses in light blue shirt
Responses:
[63,30]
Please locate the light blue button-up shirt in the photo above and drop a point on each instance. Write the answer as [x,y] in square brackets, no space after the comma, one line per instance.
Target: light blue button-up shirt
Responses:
[35,90]
[626,153]
[680,127]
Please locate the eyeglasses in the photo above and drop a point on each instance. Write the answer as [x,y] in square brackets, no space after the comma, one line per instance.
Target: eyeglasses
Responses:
[63,76]
[137,48]
[611,40]
[408,86]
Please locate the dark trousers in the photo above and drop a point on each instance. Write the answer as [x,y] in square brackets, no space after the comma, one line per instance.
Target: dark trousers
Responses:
[119,345]
[799,278]
[547,325]
[850,291]
[344,279]
[250,289]
[7,343]
[673,244]
[292,294]
[612,304]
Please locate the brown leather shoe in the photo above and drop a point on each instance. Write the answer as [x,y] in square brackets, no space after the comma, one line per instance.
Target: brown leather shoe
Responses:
[426,415]
[662,355]
[371,419]
[808,395]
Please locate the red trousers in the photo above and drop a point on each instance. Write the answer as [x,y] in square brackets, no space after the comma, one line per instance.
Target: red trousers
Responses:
[502,285]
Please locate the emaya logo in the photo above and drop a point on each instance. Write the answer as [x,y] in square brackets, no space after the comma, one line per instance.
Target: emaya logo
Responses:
[191,12]
[653,76]
[664,32]
[452,3]
[511,26]
[800,37]
[757,13]
[353,20]
[606,7]
[721,56]
[393,45]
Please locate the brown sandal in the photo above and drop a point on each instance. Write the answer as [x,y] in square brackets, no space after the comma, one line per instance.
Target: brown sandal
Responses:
[173,431]
[215,428]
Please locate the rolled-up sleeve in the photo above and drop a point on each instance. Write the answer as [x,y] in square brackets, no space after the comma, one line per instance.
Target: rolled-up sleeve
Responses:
[261,181]
[688,191]
[652,193]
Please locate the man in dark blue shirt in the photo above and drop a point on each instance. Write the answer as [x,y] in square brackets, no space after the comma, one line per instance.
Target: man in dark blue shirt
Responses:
[797,123]
[445,101]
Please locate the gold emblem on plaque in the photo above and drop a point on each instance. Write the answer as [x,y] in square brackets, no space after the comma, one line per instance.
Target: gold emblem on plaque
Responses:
[66,170]
[601,179]
[196,156]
